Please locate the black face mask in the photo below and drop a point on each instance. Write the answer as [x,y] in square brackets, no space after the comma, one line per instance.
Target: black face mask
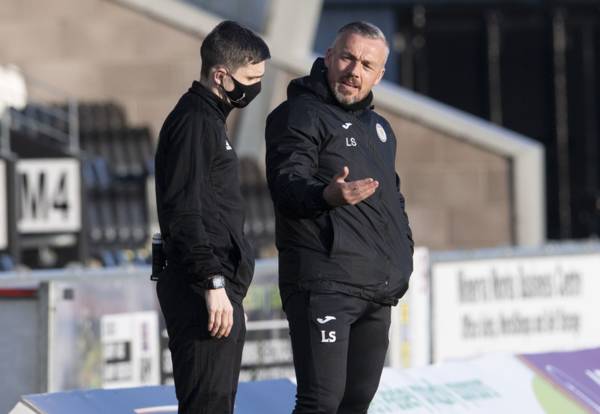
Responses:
[241,95]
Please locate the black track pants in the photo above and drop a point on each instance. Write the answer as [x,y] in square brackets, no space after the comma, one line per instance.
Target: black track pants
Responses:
[205,369]
[339,344]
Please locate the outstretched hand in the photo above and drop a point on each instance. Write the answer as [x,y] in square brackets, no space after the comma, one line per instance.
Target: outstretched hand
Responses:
[339,192]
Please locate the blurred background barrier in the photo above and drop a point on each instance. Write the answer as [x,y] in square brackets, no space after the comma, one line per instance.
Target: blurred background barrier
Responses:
[84,328]
[549,383]
[530,300]
[262,397]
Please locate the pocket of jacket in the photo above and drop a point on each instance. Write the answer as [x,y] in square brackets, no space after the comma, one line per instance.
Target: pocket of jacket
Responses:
[342,240]
[335,234]
[350,242]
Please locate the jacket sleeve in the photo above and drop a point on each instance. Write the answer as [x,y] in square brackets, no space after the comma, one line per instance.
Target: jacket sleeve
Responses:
[292,162]
[400,196]
[187,169]
[402,204]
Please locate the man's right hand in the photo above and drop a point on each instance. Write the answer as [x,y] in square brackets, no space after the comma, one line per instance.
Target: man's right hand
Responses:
[220,312]
[339,192]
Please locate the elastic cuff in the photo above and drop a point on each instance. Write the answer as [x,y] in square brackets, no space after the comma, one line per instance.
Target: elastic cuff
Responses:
[198,281]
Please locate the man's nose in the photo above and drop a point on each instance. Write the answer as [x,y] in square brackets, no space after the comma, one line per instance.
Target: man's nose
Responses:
[354,69]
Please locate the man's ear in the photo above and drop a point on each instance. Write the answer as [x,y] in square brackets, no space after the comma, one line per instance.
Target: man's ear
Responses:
[217,73]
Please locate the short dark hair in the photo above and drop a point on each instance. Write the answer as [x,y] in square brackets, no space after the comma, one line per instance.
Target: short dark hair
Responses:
[231,45]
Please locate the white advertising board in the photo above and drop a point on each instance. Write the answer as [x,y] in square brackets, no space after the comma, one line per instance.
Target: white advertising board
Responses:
[50,195]
[492,384]
[522,304]
[410,330]
[130,349]
[3,206]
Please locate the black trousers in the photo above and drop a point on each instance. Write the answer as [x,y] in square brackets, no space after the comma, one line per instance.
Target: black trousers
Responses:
[339,344]
[205,369]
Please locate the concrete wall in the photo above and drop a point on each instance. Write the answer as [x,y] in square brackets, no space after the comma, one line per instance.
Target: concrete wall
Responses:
[99,50]
[458,195]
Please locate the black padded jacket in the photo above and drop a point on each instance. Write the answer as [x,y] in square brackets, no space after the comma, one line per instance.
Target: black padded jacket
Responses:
[362,250]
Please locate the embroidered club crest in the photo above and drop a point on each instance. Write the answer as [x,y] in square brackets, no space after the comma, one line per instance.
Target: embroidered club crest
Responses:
[381,132]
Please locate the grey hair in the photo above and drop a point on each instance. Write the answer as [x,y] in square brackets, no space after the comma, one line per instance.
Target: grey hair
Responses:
[365,29]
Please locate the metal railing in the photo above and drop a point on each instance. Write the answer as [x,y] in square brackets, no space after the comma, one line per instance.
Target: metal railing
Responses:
[55,117]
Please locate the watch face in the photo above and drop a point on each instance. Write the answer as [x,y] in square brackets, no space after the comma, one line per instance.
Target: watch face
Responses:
[218,282]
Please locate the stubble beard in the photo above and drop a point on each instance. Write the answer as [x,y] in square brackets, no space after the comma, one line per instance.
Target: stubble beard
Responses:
[343,98]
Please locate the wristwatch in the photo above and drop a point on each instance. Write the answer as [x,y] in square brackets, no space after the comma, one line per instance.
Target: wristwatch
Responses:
[215,282]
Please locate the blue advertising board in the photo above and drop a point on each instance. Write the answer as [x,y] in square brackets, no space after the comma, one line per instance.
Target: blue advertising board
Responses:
[259,397]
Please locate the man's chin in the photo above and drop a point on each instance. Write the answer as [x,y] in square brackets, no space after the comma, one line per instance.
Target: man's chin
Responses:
[345,99]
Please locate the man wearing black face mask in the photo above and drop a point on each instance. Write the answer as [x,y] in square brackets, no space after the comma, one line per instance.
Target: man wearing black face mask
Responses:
[201,216]
[241,94]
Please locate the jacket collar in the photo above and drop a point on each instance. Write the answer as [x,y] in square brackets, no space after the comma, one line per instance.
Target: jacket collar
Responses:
[221,108]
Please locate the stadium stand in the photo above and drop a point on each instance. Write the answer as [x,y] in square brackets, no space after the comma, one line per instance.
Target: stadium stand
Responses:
[117,160]
[260,218]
